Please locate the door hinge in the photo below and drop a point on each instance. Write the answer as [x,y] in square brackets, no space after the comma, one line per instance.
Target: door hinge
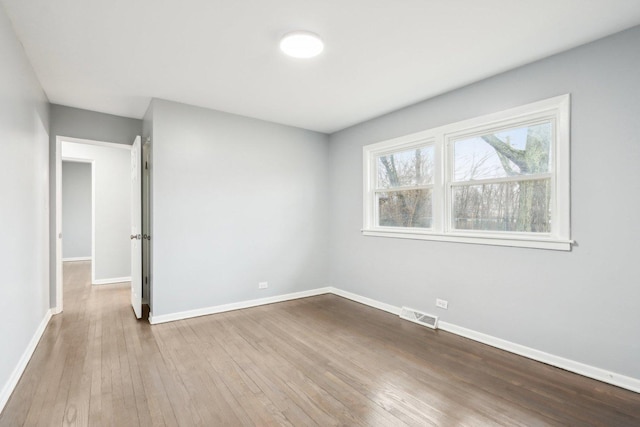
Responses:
[146,165]
[146,280]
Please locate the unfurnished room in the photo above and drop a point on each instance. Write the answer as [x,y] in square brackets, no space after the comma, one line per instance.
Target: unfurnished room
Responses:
[314,213]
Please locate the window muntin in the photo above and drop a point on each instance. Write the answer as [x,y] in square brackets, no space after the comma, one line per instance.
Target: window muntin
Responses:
[515,195]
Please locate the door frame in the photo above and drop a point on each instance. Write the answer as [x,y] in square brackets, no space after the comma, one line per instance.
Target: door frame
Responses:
[58,235]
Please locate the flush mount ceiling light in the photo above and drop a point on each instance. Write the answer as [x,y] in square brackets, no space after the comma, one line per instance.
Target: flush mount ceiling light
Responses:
[301,44]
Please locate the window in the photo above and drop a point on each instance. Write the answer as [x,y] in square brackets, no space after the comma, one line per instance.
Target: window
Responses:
[404,188]
[501,179]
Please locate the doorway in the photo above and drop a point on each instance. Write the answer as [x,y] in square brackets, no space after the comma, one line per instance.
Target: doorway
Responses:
[111,204]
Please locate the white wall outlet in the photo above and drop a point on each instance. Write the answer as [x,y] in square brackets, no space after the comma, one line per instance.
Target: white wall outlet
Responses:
[442,303]
[263,285]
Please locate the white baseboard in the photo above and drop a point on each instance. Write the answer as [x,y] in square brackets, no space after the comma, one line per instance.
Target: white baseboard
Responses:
[111,280]
[154,320]
[599,374]
[8,388]
[78,258]
[367,301]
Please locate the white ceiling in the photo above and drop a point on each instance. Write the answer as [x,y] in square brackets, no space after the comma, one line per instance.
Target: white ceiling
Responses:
[113,56]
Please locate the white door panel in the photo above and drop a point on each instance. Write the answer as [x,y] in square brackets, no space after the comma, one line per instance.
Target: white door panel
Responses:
[136,228]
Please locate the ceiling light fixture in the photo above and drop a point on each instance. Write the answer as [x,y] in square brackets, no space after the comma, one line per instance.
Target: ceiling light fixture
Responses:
[301,44]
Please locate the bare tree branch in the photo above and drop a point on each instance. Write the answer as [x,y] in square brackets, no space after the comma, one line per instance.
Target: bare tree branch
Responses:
[518,157]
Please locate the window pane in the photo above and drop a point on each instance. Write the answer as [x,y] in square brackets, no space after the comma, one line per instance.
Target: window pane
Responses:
[518,151]
[509,206]
[408,208]
[406,168]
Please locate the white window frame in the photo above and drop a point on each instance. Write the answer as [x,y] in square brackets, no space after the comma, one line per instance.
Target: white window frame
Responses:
[555,109]
[413,145]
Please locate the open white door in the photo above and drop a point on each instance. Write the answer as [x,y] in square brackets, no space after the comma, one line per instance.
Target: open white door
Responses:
[136,228]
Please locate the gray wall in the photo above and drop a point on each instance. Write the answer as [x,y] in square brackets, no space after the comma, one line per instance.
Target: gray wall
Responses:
[112,174]
[76,210]
[581,305]
[236,201]
[24,206]
[77,123]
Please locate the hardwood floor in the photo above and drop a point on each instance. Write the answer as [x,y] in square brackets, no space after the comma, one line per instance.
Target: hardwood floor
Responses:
[316,361]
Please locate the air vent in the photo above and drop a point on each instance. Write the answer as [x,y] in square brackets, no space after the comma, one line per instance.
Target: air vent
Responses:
[419,318]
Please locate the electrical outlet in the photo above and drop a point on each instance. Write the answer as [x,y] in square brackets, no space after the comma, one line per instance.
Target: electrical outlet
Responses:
[263,285]
[442,303]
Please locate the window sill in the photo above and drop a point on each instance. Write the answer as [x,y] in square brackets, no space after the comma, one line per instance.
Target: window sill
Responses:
[493,240]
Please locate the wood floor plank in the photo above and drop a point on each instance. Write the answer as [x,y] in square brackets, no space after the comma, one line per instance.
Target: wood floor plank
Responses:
[316,361]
